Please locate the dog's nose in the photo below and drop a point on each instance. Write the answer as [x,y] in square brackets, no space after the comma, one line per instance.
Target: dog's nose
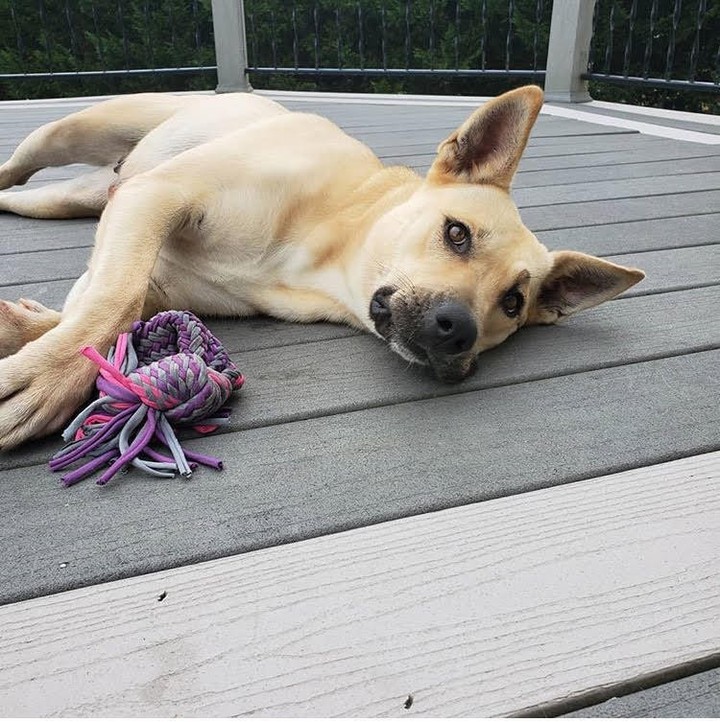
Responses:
[380,312]
[448,328]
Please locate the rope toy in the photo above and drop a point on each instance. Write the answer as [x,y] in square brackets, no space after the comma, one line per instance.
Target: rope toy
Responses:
[167,371]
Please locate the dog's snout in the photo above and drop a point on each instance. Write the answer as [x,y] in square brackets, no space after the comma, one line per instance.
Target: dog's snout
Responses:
[448,328]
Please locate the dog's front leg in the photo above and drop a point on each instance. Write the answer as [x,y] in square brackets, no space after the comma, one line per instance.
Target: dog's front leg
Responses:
[42,384]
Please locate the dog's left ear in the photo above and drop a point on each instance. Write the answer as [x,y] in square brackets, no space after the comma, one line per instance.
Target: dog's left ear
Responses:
[487,147]
[577,281]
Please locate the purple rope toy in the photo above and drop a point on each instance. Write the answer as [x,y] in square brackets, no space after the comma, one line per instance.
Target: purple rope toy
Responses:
[168,370]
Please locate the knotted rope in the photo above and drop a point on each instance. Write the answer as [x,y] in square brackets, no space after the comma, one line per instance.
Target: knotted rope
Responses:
[168,371]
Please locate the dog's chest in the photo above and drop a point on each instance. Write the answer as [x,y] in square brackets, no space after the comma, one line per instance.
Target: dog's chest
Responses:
[243,277]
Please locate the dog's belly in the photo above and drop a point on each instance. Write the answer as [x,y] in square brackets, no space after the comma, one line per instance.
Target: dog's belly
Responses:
[228,282]
[281,283]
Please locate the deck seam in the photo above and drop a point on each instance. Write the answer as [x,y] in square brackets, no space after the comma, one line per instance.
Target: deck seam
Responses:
[23,252]
[581,182]
[349,526]
[404,401]
[622,198]
[660,248]
[670,289]
[581,700]
[630,220]
[623,163]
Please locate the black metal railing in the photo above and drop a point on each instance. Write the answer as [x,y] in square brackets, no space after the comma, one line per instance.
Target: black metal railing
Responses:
[666,44]
[65,39]
[398,37]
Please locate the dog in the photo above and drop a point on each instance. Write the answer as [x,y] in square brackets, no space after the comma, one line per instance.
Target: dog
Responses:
[231,205]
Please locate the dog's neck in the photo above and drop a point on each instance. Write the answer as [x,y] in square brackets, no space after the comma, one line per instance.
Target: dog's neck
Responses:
[343,267]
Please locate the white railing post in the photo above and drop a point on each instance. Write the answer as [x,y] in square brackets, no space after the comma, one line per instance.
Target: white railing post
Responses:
[230,46]
[568,51]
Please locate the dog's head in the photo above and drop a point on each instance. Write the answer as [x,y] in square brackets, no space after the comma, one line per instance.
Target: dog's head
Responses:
[453,271]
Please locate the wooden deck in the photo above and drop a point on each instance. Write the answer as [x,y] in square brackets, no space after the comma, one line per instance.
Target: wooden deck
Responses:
[536,540]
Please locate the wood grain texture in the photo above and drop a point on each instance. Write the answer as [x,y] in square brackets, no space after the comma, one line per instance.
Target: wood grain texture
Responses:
[475,611]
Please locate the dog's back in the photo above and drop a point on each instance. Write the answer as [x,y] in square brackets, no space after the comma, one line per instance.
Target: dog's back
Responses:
[204,118]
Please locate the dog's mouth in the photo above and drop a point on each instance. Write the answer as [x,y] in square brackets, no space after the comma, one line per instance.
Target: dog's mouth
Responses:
[426,330]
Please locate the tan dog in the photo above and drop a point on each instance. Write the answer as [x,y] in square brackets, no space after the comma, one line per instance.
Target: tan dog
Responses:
[231,205]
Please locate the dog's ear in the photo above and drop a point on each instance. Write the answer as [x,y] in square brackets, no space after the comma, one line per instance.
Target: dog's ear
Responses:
[487,147]
[577,281]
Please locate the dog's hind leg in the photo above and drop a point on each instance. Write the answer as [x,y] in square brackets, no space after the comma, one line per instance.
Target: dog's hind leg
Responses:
[100,135]
[81,197]
[23,322]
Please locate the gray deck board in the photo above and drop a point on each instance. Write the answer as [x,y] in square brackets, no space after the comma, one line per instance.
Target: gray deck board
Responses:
[620,210]
[579,191]
[620,171]
[312,477]
[395,141]
[606,239]
[700,123]
[332,431]
[696,696]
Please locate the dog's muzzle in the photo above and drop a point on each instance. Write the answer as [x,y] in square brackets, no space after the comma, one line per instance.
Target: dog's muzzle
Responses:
[439,333]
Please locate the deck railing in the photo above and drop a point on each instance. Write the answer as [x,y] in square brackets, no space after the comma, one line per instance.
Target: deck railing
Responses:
[75,39]
[669,44]
[398,38]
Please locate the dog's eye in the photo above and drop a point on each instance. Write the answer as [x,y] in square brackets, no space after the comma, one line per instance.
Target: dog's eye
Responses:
[512,303]
[458,236]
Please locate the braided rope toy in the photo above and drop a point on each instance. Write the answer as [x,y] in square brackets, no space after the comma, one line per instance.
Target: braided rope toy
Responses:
[168,370]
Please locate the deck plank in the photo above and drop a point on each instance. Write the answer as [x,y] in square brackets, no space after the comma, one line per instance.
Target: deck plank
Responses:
[697,697]
[579,191]
[607,239]
[313,477]
[526,601]
[592,213]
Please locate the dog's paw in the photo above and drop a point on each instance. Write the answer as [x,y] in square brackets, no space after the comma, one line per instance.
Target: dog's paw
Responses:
[40,388]
[23,322]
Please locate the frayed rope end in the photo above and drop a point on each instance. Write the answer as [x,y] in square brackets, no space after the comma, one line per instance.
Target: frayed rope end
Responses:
[169,371]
